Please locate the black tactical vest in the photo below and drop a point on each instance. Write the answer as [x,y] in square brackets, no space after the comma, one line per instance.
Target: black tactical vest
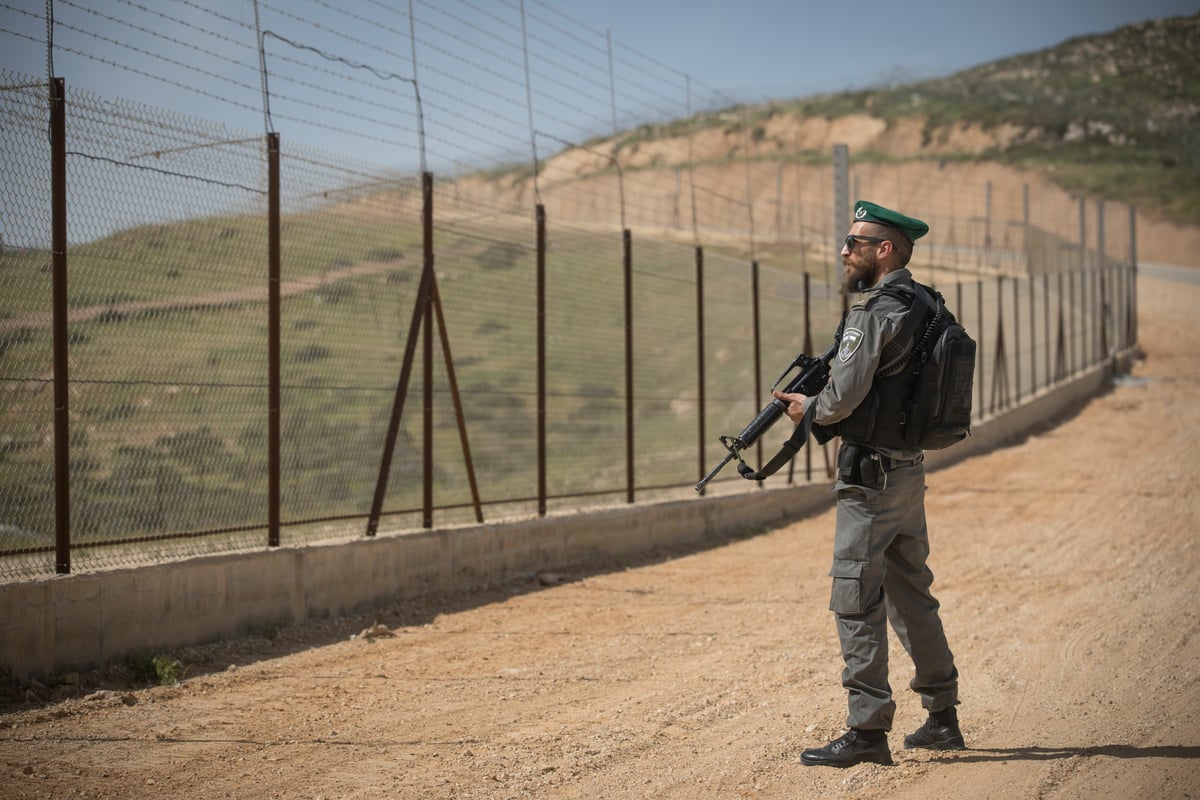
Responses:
[878,420]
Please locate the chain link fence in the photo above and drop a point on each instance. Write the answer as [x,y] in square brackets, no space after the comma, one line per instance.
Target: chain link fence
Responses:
[588,361]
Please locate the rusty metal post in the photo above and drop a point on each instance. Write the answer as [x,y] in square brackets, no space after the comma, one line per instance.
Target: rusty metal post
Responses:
[273,341]
[541,360]
[808,348]
[700,356]
[980,370]
[420,308]
[58,235]
[1070,323]
[1061,367]
[1046,330]
[1099,303]
[1032,339]
[1131,323]
[757,350]
[1017,337]
[958,305]
[627,239]
[427,354]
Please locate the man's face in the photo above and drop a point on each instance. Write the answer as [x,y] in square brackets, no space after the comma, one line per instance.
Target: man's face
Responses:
[860,262]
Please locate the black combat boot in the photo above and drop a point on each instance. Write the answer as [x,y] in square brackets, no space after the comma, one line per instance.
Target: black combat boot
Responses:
[940,732]
[854,747]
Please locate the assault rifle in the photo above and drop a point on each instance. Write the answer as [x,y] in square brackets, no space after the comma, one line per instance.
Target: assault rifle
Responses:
[811,379]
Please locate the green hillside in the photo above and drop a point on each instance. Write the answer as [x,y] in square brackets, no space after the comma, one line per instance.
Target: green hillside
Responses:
[1115,115]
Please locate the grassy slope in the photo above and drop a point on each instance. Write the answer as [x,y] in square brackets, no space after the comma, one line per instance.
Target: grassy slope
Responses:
[1115,115]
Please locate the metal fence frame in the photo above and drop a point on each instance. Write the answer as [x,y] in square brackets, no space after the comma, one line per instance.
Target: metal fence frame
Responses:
[1034,331]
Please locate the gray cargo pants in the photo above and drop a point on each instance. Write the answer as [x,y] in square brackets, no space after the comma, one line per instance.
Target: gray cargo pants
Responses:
[879,574]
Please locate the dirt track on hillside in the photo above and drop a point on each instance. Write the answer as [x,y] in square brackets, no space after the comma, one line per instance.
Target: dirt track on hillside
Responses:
[1067,567]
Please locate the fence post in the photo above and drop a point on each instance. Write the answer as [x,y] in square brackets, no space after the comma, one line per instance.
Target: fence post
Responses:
[1101,266]
[700,355]
[754,316]
[1083,294]
[1046,315]
[426,300]
[808,348]
[1071,322]
[1017,335]
[1131,295]
[541,360]
[627,242]
[958,306]
[420,307]
[1032,337]
[273,341]
[58,235]
[979,308]
[1104,314]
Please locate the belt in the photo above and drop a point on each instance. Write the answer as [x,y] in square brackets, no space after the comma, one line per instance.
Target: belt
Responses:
[888,463]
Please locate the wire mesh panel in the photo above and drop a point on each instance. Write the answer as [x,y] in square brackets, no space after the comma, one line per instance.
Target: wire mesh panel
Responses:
[664,363]
[26,354]
[351,254]
[168,368]
[585,362]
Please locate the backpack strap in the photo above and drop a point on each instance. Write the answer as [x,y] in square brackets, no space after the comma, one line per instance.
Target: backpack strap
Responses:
[912,321]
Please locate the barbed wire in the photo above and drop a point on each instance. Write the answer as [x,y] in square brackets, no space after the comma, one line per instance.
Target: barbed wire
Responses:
[579,80]
[161,171]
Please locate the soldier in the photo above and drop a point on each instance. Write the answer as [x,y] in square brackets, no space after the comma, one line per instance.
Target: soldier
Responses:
[881,542]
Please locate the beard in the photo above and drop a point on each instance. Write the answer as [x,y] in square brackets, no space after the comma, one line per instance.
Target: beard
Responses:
[857,277]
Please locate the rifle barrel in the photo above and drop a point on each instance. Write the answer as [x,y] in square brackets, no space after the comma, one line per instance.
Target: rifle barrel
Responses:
[704,481]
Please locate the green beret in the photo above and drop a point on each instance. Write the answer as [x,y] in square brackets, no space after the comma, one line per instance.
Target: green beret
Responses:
[912,229]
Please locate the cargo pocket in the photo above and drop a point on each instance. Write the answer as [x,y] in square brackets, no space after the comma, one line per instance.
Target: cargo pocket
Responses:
[847,594]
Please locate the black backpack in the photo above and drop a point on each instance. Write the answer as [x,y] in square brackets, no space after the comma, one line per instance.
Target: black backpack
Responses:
[939,376]
[938,412]
[921,398]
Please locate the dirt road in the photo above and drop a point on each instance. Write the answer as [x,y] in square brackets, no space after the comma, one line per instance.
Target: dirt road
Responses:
[1068,568]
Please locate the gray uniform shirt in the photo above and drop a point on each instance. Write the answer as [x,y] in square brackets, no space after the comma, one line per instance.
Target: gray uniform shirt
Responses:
[871,324]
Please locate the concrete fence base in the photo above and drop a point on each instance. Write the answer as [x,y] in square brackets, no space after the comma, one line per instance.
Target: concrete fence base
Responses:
[77,621]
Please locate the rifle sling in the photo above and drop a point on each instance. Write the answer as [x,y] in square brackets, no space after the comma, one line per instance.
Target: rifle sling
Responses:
[787,452]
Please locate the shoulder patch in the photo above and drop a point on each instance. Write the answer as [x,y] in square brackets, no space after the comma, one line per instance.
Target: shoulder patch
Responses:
[851,339]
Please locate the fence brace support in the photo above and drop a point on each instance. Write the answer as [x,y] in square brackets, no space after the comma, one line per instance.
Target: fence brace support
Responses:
[426,308]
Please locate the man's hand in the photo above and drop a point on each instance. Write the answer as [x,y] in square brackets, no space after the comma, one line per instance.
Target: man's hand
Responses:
[795,401]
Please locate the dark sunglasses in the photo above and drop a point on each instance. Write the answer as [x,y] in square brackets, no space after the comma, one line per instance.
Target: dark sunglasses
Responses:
[852,240]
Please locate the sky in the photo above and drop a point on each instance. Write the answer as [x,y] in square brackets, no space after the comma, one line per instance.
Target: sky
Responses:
[198,57]
[760,49]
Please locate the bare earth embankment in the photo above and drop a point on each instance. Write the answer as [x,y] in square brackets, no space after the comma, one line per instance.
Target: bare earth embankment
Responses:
[1067,565]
